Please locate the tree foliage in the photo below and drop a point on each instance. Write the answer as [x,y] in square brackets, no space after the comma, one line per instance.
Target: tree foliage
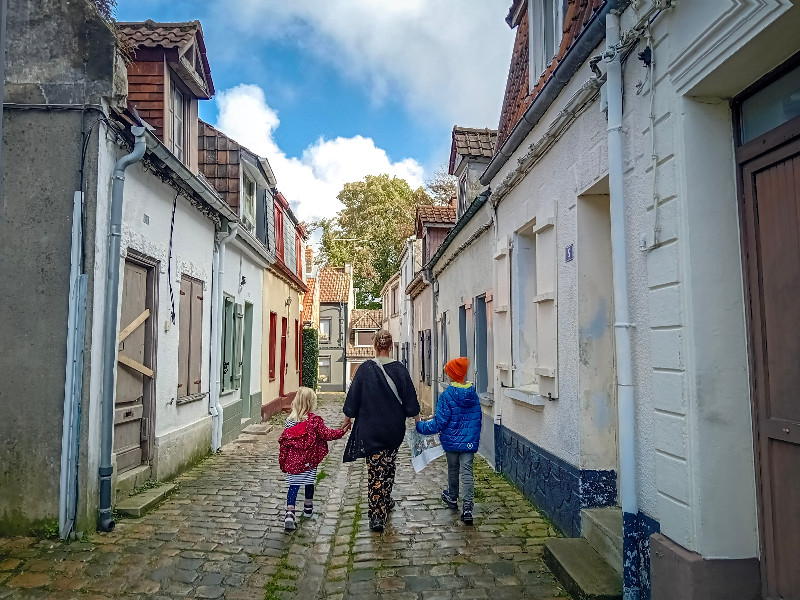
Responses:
[442,186]
[310,358]
[370,230]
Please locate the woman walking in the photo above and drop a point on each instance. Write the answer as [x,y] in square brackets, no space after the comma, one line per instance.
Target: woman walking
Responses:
[380,399]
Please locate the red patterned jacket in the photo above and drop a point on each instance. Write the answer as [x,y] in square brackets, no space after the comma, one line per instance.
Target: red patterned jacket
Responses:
[303,446]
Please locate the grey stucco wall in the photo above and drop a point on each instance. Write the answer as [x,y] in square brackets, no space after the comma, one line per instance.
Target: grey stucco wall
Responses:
[35,232]
[337,346]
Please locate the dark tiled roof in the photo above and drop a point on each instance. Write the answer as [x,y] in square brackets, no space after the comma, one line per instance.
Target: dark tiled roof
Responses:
[334,285]
[308,300]
[149,34]
[363,318]
[474,143]
[219,161]
[517,97]
[436,214]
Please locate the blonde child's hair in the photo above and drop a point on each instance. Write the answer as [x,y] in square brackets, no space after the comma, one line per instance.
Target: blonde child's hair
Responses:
[305,401]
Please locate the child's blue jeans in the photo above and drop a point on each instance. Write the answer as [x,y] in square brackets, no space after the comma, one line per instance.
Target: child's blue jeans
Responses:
[460,464]
[291,497]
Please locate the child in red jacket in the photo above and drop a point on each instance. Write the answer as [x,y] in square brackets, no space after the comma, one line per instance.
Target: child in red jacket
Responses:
[303,445]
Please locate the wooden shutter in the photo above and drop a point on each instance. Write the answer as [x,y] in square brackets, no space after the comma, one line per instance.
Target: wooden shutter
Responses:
[428,352]
[195,362]
[422,355]
[238,330]
[227,345]
[298,255]
[273,336]
[184,335]
[279,232]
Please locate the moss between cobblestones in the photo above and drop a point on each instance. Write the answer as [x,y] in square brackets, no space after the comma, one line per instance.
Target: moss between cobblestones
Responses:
[285,572]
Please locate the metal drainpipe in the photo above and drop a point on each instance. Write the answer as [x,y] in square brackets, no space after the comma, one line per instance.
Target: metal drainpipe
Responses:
[622,325]
[105,522]
[218,267]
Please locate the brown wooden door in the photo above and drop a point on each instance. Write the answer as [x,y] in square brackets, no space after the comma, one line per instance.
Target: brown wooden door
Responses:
[130,420]
[284,328]
[771,219]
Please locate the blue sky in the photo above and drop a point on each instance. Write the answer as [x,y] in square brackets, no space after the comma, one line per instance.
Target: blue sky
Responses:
[330,91]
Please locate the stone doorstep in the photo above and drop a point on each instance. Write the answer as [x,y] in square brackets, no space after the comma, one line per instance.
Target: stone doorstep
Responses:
[602,528]
[258,429]
[581,570]
[138,505]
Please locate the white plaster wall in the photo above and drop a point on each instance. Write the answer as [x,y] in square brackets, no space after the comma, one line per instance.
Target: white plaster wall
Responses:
[694,463]
[192,252]
[238,264]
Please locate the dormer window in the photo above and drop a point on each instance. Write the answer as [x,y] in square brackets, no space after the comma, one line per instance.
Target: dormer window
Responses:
[248,203]
[177,122]
[546,26]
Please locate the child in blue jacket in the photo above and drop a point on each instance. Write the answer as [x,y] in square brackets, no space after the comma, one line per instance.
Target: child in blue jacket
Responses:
[458,420]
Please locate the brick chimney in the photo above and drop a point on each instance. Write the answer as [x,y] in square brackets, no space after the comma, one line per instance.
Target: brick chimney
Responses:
[309,260]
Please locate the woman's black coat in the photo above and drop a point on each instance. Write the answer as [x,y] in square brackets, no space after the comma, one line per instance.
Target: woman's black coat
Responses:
[380,420]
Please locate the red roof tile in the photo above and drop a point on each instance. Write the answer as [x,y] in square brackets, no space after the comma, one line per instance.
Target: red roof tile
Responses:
[436,214]
[364,318]
[308,300]
[474,143]
[517,97]
[334,285]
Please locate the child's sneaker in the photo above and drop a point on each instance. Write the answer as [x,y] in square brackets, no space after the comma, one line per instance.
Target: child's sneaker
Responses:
[466,516]
[308,509]
[449,500]
[290,522]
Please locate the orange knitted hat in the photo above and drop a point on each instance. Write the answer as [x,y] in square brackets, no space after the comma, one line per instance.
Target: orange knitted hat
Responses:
[457,368]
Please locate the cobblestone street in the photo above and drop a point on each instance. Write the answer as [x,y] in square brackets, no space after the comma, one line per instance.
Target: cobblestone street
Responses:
[220,535]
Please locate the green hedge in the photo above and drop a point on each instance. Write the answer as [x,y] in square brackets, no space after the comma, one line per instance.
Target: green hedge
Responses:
[310,358]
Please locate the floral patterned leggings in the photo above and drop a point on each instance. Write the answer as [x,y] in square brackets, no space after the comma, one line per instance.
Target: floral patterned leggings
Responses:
[380,480]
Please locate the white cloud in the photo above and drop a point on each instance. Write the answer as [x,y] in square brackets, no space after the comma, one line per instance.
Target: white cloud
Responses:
[310,182]
[445,59]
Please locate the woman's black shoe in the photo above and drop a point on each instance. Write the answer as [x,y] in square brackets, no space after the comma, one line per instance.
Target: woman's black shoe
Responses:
[392,504]
[376,524]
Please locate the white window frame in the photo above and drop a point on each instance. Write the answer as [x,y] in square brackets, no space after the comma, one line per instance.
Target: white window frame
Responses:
[248,208]
[320,366]
[325,339]
[175,118]
[544,16]
[356,344]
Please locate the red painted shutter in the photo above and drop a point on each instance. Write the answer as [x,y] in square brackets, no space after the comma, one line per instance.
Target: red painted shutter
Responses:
[273,337]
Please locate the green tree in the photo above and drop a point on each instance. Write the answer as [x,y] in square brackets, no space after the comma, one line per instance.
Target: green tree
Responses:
[370,230]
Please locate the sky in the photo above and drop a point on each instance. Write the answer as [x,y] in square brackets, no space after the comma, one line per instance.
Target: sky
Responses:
[332,90]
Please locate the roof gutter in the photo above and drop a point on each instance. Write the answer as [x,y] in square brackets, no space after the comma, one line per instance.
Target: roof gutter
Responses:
[199,186]
[476,205]
[589,39]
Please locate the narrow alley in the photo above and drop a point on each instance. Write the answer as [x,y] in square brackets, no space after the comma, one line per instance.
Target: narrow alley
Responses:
[220,535]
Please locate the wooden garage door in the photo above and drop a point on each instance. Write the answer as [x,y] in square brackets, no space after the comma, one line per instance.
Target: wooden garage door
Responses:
[771,211]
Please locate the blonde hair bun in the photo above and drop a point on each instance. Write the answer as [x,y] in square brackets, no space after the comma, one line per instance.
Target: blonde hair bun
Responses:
[383,340]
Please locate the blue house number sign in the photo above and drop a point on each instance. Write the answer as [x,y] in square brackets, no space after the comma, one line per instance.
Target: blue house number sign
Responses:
[569,253]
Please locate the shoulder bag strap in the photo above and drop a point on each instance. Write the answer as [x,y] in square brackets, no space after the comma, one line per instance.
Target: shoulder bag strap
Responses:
[388,380]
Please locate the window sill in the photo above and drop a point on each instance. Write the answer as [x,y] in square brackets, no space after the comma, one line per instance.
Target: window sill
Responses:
[190,398]
[272,378]
[227,392]
[527,395]
[486,399]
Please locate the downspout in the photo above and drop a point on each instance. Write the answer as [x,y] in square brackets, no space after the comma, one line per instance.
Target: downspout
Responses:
[622,325]
[105,522]
[218,268]
[434,336]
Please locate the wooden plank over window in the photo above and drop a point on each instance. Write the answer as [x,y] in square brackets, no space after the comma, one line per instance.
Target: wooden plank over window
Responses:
[184,334]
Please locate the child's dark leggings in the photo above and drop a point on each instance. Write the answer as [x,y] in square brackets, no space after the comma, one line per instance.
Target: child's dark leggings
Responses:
[291,497]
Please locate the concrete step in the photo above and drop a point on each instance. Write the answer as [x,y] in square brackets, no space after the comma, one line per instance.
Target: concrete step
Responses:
[136,506]
[258,429]
[128,480]
[581,570]
[602,528]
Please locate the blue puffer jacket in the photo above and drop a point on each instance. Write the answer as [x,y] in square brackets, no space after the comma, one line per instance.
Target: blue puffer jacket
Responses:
[458,419]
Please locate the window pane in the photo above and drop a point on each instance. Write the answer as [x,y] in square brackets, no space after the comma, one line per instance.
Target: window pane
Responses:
[324,369]
[773,106]
[364,338]
[549,31]
[325,329]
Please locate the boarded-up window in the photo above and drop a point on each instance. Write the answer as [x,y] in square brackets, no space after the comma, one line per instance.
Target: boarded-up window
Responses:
[273,338]
[190,336]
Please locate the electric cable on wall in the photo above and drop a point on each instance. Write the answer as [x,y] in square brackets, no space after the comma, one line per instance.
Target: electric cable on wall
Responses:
[169,258]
